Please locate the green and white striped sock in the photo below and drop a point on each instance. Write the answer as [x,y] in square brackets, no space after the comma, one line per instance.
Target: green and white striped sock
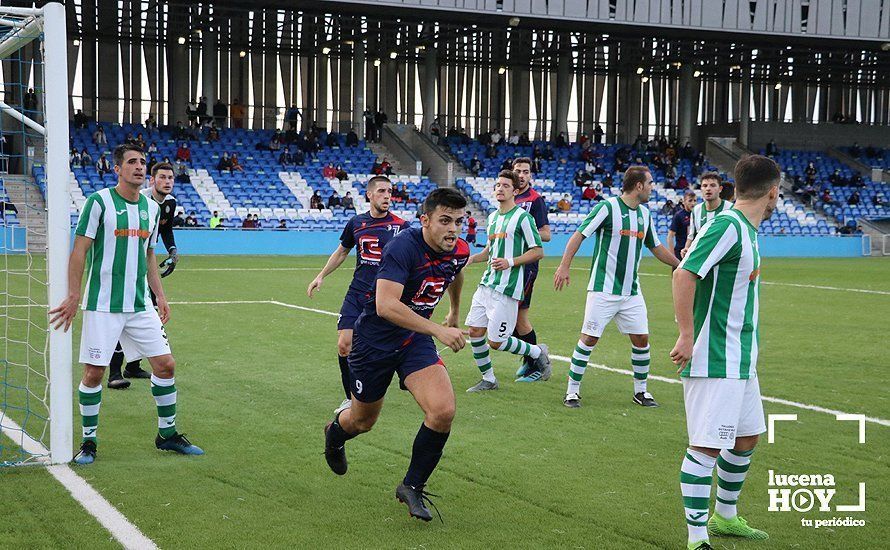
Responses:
[695,486]
[732,467]
[164,392]
[89,399]
[482,358]
[580,358]
[639,359]
[518,347]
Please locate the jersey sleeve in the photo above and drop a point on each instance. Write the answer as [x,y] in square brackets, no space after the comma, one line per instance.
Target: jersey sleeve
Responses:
[595,219]
[539,212]
[347,238]
[166,229]
[530,233]
[716,244]
[651,239]
[153,238]
[90,217]
[399,258]
[692,230]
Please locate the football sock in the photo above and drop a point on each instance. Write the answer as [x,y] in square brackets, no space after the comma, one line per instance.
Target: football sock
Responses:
[530,338]
[345,379]
[482,357]
[164,392]
[117,360]
[518,347]
[89,399]
[639,359]
[695,486]
[580,357]
[425,455]
[732,466]
[337,435]
[133,366]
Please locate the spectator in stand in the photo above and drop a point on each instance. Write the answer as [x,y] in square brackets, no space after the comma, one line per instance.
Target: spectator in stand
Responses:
[514,140]
[181,171]
[203,117]
[679,228]
[496,137]
[331,140]
[854,199]
[285,159]
[380,119]
[565,203]
[213,133]
[856,180]
[523,140]
[581,178]
[248,223]
[275,141]
[139,140]
[152,148]
[237,112]
[315,202]
[236,164]
[220,113]
[878,199]
[548,153]
[370,128]
[810,172]
[30,101]
[183,153]
[150,164]
[334,201]
[329,172]
[475,165]
[687,152]
[225,163]
[151,124]
[215,220]
[293,117]
[598,134]
[826,197]
[590,193]
[669,208]
[491,151]
[178,220]
[341,173]
[386,167]
[771,148]
[352,138]
[855,150]
[191,220]
[536,165]
[180,133]
[836,178]
[561,141]
[436,129]
[191,112]
[80,119]
[103,166]
[99,136]
[608,180]
[681,183]
[507,164]
[282,224]
[74,157]
[348,203]
[299,157]
[85,159]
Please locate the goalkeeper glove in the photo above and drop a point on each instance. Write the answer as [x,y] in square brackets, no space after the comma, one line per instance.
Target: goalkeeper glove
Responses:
[170,263]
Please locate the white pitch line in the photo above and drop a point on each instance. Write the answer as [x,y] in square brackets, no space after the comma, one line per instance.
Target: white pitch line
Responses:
[249,269]
[127,534]
[565,359]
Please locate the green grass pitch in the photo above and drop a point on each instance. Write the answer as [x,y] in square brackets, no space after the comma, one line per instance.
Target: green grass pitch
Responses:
[258,381]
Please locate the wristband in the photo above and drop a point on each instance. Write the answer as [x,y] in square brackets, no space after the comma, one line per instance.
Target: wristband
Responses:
[510,262]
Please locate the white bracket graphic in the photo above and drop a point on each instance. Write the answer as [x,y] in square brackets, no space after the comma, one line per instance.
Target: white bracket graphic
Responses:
[771,422]
[858,418]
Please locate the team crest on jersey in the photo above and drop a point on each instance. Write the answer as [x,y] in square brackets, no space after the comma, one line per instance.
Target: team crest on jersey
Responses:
[143,214]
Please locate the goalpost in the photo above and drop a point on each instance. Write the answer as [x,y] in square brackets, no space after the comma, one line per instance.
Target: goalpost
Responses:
[36,399]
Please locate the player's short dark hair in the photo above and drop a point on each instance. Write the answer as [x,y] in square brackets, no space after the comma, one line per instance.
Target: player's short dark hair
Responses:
[689,193]
[728,192]
[522,160]
[161,166]
[510,175]
[755,175]
[122,149]
[711,176]
[377,179]
[633,176]
[445,197]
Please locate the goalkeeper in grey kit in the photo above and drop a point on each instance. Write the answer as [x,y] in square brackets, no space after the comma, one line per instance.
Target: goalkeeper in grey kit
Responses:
[160,190]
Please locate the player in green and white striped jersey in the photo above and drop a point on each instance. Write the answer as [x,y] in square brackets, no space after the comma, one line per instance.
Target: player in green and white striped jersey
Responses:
[711,188]
[622,226]
[116,235]
[513,242]
[716,300]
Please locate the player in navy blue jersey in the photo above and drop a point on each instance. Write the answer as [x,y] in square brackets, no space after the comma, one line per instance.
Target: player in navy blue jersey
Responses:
[368,233]
[533,203]
[394,335]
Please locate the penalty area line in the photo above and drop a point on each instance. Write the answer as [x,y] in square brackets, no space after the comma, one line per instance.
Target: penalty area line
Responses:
[564,359]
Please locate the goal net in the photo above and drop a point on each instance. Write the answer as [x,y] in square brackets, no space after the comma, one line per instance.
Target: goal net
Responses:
[35,365]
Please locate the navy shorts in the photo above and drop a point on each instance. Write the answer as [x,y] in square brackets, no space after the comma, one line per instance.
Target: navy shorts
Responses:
[471,238]
[371,369]
[352,307]
[530,276]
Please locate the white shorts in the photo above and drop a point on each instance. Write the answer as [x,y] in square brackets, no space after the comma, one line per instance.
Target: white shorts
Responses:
[141,334]
[629,313]
[495,311]
[720,409]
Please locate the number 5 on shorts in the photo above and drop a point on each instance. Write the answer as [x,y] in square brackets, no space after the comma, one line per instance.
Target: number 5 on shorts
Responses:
[503,329]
